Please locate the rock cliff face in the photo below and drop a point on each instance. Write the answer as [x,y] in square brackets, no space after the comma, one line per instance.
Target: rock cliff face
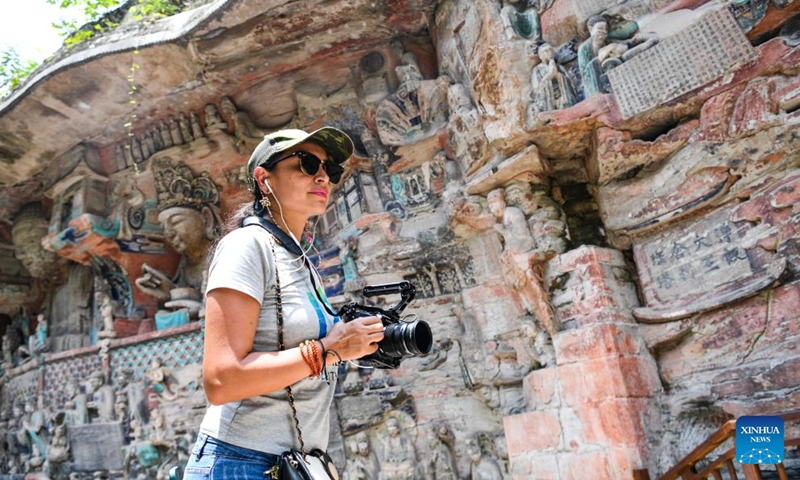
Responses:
[596,203]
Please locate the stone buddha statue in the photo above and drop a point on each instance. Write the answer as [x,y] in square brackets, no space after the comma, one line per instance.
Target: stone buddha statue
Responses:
[189,218]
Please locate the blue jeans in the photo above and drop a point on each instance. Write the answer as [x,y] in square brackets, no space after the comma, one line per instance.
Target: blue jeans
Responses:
[212,458]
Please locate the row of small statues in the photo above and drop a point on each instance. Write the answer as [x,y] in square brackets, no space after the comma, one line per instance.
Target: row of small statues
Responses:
[398,459]
[34,438]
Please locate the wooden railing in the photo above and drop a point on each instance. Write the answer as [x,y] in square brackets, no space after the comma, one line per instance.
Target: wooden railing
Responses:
[685,469]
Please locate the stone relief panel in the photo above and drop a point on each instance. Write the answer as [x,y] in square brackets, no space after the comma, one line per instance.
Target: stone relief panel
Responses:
[443,277]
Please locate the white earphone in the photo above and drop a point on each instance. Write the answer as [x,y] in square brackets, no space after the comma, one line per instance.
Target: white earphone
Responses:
[266,184]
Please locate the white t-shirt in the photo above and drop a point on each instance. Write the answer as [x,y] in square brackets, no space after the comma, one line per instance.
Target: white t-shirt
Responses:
[243,261]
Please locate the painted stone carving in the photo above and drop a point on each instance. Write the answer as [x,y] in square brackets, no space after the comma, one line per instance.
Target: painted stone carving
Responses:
[597,55]
[521,20]
[416,110]
[76,408]
[105,307]
[347,255]
[101,399]
[189,217]
[696,55]
[128,200]
[213,119]
[248,135]
[57,466]
[521,258]
[40,340]
[512,224]
[551,86]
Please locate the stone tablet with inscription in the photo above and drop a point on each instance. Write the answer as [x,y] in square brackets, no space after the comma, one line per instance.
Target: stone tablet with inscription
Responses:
[729,254]
[97,446]
[689,59]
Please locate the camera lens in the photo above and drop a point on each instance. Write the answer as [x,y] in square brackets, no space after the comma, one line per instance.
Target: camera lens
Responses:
[407,339]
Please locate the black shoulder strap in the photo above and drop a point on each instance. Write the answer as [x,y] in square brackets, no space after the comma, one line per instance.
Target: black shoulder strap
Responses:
[276,232]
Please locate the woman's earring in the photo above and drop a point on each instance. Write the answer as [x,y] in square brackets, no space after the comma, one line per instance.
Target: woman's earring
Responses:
[265,202]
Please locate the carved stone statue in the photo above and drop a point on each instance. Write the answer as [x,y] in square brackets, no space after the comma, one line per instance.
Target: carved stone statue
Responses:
[161,380]
[76,408]
[399,456]
[105,307]
[213,119]
[347,257]
[40,343]
[482,466]
[512,225]
[363,464]
[57,465]
[133,394]
[441,464]
[101,399]
[189,218]
[416,110]
[34,422]
[248,135]
[8,354]
[592,76]
[597,55]
[551,87]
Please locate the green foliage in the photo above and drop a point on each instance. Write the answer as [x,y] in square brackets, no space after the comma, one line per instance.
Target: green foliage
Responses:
[94,10]
[13,71]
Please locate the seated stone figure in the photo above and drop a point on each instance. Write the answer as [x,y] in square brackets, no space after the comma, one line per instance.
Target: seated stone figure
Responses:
[399,455]
[189,218]
[551,87]
[101,399]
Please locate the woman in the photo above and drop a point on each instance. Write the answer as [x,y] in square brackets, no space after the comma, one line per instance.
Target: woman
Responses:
[245,372]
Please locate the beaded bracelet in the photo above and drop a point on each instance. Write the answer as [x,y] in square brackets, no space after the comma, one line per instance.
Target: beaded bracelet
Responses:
[308,350]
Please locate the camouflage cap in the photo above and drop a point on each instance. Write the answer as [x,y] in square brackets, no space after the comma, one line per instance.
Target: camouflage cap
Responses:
[335,142]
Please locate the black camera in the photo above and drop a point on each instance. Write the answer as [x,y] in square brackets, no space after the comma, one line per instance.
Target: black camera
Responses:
[400,338]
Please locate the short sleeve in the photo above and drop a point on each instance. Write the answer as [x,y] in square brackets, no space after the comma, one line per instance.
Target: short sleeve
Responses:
[242,261]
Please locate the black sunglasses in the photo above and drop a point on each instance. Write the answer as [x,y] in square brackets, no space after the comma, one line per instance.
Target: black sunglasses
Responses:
[309,164]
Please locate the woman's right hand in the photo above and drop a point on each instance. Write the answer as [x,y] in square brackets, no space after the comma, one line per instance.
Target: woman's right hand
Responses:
[355,339]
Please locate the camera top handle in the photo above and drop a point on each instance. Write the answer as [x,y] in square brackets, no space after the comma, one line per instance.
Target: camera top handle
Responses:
[405,289]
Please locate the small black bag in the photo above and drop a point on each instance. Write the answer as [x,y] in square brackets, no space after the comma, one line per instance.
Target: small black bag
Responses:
[315,465]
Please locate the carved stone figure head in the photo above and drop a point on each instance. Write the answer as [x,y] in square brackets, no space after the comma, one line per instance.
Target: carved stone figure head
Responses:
[598,28]
[188,230]
[546,53]
[30,226]
[496,203]
[362,443]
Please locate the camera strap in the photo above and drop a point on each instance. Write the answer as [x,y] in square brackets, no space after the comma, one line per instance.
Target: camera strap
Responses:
[289,244]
